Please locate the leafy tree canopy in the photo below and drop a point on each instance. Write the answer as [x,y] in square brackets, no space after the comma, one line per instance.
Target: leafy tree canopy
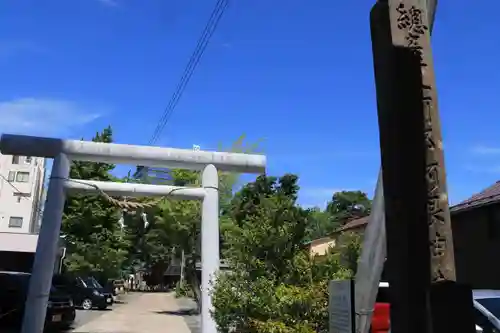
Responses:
[348,205]
[90,223]
[175,225]
[274,285]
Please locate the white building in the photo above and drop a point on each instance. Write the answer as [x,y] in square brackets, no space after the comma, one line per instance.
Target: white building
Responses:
[21,199]
[21,188]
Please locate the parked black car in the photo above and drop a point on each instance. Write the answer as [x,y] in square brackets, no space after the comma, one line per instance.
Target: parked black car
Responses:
[87,293]
[110,287]
[13,294]
[114,286]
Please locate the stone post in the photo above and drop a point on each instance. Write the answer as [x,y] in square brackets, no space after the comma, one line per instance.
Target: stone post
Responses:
[420,259]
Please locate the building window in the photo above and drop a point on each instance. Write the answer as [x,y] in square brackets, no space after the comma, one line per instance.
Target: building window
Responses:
[12,176]
[23,177]
[15,159]
[15,222]
[19,196]
[28,159]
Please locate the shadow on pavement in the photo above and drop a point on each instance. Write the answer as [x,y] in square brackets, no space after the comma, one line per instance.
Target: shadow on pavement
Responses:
[190,315]
[188,310]
[181,312]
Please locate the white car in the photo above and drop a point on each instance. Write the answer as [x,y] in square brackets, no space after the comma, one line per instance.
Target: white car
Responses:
[486,309]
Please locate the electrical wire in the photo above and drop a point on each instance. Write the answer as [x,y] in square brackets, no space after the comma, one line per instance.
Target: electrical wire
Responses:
[193,62]
[202,43]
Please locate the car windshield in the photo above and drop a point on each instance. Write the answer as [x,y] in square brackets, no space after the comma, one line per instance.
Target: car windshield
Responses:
[491,304]
[92,282]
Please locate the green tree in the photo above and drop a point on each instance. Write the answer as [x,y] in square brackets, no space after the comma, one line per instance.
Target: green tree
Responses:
[149,241]
[90,223]
[348,205]
[349,248]
[274,285]
[321,224]
[181,220]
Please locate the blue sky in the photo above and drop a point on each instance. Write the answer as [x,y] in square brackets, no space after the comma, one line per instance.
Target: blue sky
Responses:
[295,73]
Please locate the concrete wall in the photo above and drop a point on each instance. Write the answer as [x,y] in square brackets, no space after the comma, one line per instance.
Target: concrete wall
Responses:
[476,238]
[23,201]
[16,242]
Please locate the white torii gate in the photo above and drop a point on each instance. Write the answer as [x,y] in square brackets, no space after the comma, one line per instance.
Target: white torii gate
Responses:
[65,151]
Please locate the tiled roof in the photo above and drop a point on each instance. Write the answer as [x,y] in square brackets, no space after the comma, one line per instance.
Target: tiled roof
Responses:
[353,224]
[487,196]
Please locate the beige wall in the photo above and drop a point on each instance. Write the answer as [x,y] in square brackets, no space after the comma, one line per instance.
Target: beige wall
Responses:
[26,207]
[320,247]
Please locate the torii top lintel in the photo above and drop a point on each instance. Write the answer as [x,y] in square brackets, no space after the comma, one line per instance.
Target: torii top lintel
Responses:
[159,157]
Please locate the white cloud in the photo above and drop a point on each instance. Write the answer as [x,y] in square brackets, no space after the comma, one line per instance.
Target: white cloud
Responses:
[485,150]
[43,116]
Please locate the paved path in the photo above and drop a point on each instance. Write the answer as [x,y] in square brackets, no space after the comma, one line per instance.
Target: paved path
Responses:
[149,312]
[83,316]
[189,313]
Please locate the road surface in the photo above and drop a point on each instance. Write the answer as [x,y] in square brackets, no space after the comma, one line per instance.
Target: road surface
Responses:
[143,312]
[83,317]
[188,311]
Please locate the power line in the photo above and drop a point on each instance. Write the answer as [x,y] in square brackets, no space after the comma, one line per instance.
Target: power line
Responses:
[202,43]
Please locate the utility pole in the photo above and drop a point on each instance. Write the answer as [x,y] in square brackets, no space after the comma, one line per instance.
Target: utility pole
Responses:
[424,294]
